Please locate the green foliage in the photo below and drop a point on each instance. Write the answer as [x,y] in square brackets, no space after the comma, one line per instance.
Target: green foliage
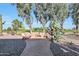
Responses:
[55,31]
[27,30]
[62,14]
[68,30]
[16,25]
[37,29]
[24,11]
[56,13]
[74,12]
[0,24]
[41,14]
[4,30]
[34,30]
[9,29]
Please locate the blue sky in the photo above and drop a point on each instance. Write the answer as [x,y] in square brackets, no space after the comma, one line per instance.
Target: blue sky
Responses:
[9,13]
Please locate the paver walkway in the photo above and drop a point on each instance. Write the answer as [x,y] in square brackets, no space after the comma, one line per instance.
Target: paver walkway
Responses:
[37,48]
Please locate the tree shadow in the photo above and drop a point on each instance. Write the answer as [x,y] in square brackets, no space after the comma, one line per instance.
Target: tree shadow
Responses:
[63,50]
[73,46]
[11,47]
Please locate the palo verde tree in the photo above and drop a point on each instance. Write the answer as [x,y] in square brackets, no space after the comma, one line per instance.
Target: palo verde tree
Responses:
[1,25]
[74,13]
[56,18]
[24,11]
[62,14]
[8,29]
[16,25]
[41,14]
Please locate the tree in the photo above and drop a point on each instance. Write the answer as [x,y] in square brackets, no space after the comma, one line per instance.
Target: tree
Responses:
[1,25]
[9,29]
[16,25]
[55,13]
[56,17]
[74,13]
[41,14]
[24,11]
[62,14]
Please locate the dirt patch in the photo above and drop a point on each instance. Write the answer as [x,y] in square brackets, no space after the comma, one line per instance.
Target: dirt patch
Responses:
[70,38]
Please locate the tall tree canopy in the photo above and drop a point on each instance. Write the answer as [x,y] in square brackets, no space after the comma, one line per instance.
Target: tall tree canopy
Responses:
[41,14]
[1,25]
[55,13]
[16,24]
[74,12]
[24,11]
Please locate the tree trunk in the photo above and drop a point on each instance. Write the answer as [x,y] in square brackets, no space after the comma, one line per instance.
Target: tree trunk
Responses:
[1,31]
[62,26]
[43,30]
[76,28]
[30,26]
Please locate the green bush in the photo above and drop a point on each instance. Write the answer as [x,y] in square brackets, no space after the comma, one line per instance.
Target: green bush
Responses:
[37,30]
[68,30]
[27,30]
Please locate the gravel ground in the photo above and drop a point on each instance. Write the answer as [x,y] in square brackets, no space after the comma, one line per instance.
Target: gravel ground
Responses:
[62,50]
[70,38]
[11,47]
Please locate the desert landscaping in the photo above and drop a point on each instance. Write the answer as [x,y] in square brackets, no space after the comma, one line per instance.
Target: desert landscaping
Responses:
[39,29]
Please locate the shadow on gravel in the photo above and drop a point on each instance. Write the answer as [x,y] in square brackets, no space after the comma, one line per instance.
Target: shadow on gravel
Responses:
[74,47]
[11,47]
[59,50]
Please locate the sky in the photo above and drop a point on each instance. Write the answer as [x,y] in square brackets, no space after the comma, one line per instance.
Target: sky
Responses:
[9,13]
